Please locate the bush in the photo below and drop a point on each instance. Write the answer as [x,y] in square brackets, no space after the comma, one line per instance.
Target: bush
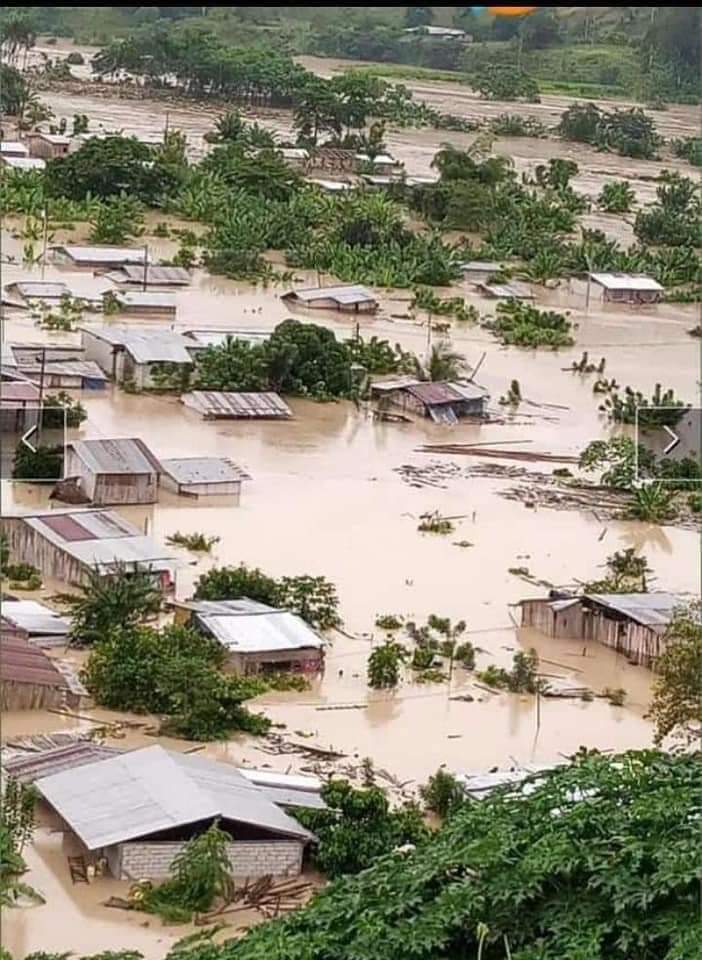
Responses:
[522,325]
[498,82]
[442,793]
[42,464]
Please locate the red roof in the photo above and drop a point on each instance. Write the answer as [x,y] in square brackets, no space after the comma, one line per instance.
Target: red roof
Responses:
[21,662]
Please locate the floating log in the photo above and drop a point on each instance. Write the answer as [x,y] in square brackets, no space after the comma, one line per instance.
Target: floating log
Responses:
[458,449]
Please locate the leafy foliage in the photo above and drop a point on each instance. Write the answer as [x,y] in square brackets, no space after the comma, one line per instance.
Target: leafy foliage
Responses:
[617,196]
[384,665]
[674,220]
[548,872]
[499,82]
[44,463]
[442,793]
[663,408]
[121,600]
[626,573]
[676,708]
[522,325]
[16,830]
[358,827]
[630,133]
[522,678]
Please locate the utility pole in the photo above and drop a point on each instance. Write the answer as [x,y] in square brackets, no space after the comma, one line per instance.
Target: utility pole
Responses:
[146,267]
[45,240]
[40,421]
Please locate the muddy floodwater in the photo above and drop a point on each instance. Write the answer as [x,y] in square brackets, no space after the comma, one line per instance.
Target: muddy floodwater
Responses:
[327,497]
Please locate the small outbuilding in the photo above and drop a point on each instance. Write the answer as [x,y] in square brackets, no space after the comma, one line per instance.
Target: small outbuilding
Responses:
[259,638]
[477,270]
[627,288]
[202,476]
[114,471]
[512,290]
[30,680]
[444,403]
[48,145]
[381,165]
[220,405]
[19,402]
[632,623]
[155,275]
[25,293]
[135,811]
[13,148]
[68,544]
[98,258]
[352,298]
[140,356]
[143,304]
[36,621]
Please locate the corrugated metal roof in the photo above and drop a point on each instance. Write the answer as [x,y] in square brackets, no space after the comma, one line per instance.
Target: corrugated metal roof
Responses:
[30,767]
[34,618]
[510,291]
[135,794]
[40,291]
[259,632]
[438,393]
[125,456]
[217,404]
[104,255]
[145,345]
[54,138]
[18,391]
[353,293]
[100,537]
[155,274]
[294,153]
[203,470]
[67,368]
[24,163]
[649,609]
[625,281]
[16,147]
[145,298]
[216,338]
[21,662]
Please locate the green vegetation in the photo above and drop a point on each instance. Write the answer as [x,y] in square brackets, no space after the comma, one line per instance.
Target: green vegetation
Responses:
[522,678]
[117,220]
[43,464]
[674,220]
[688,148]
[442,793]
[630,133]
[22,576]
[201,876]
[519,324]
[124,598]
[617,196]
[384,665]
[626,573]
[652,503]
[61,409]
[197,542]
[312,598]
[514,125]
[435,523]
[676,708]
[358,828]
[174,673]
[498,82]
[663,408]
[16,830]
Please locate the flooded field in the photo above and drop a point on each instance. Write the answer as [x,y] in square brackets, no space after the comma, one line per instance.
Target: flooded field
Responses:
[326,498]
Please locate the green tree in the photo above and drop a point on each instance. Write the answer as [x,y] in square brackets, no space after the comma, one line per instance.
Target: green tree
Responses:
[418,16]
[105,602]
[117,220]
[234,365]
[442,793]
[232,583]
[676,708]
[384,665]
[358,826]
[580,122]
[16,829]
[44,463]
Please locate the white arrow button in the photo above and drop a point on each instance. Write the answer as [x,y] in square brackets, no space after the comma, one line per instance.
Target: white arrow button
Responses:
[26,436]
[673,443]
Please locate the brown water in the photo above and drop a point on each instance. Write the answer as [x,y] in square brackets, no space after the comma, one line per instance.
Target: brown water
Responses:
[325,498]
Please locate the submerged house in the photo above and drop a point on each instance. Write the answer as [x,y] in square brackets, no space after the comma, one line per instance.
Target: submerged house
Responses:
[140,356]
[259,638]
[68,544]
[30,680]
[13,148]
[352,298]
[381,165]
[35,621]
[442,402]
[115,471]
[632,623]
[22,164]
[135,811]
[627,288]
[202,476]
[98,258]
[48,145]
[220,405]
[511,290]
[144,304]
[154,275]
[19,402]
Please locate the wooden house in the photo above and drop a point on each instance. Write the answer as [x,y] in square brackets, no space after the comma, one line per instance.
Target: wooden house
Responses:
[351,298]
[627,288]
[202,476]
[442,402]
[114,471]
[47,146]
[30,680]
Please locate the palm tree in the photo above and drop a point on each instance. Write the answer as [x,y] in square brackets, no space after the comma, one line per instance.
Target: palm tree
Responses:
[443,364]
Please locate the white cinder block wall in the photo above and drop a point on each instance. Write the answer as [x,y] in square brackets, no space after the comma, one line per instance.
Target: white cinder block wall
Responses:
[249,858]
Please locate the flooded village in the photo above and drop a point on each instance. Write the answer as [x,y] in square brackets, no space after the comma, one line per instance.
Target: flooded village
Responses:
[422,499]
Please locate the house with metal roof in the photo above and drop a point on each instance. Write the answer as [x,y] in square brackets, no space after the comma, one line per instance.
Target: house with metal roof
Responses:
[480,269]
[351,298]
[19,401]
[141,356]
[22,293]
[98,258]
[221,405]
[143,304]
[259,638]
[67,544]
[135,811]
[48,145]
[443,402]
[634,624]
[510,290]
[13,148]
[202,476]
[627,288]
[155,275]
[30,680]
[381,165]
[35,620]
[113,471]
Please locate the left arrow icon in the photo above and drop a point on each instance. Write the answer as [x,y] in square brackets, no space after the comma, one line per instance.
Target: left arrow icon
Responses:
[26,436]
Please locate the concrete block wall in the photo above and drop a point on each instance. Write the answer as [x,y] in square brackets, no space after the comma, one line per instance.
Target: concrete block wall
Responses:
[249,858]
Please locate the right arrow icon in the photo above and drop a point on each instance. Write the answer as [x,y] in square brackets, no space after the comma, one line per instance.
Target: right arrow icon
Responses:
[675,440]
